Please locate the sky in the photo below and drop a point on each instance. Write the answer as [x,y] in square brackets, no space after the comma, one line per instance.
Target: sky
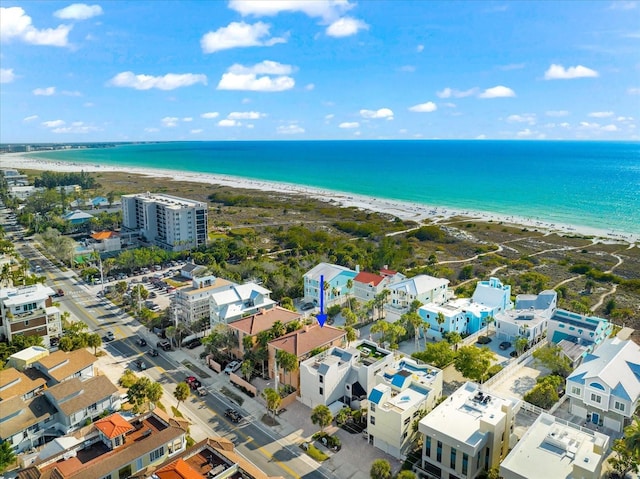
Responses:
[325,69]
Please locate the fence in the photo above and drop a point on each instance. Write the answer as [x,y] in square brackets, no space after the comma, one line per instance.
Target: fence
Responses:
[514,366]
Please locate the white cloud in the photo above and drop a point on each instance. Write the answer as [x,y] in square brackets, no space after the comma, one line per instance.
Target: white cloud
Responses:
[291,129]
[187,119]
[511,66]
[170,121]
[403,131]
[564,125]
[71,93]
[381,113]
[624,118]
[79,11]
[349,124]
[633,91]
[210,115]
[240,77]
[345,27]
[30,118]
[600,114]
[53,123]
[325,9]
[170,81]
[75,127]
[427,107]
[329,116]
[310,87]
[558,72]
[529,118]
[228,123]
[622,5]
[45,91]
[246,101]
[239,34]
[196,131]
[15,24]
[407,69]
[151,130]
[420,48]
[245,115]
[88,104]
[481,137]
[527,133]
[449,105]
[557,113]
[610,128]
[451,93]
[7,75]
[585,125]
[497,92]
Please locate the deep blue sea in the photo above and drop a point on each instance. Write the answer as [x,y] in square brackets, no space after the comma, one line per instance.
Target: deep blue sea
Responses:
[594,184]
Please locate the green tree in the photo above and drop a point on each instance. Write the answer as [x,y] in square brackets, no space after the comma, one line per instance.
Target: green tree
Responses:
[488,320]
[349,291]
[94,341]
[154,393]
[610,306]
[552,358]
[127,379]
[278,329]
[438,354]
[406,474]
[137,393]
[66,343]
[287,361]
[246,368]
[627,451]
[413,320]
[181,393]
[321,416]
[287,303]
[343,415]
[473,362]
[273,400]
[7,456]
[351,334]
[466,273]
[453,338]
[440,319]
[520,344]
[545,393]
[380,469]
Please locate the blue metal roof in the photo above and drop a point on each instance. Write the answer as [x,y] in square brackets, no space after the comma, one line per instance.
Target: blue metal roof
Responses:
[620,392]
[375,395]
[398,380]
[577,379]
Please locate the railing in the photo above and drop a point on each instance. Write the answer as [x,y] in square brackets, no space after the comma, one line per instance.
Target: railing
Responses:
[514,366]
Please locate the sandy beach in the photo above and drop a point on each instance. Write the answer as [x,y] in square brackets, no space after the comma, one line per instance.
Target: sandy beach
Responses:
[404,210]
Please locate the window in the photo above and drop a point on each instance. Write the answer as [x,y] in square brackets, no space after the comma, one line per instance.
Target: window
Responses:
[407,421]
[372,419]
[157,454]
[439,452]
[576,390]
[427,446]
[321,378]
[372,407]
[452,463]
[118,440]
[404,435]
[596,398]
[321,391]
[618,406]
[139,464]
[465,463]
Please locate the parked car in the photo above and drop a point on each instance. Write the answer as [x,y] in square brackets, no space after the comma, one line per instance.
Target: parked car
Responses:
[193,344]
[165,345]
[141,342]
[109,336]
[59,293]
[307,306]
[232,367]
[504,345]
[141,365]
[153,295]
[233,415]
[153,352]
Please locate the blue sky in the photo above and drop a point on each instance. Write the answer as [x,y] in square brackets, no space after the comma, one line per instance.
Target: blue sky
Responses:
[326,69]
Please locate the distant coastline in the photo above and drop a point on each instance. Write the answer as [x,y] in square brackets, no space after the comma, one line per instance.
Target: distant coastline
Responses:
[402,209]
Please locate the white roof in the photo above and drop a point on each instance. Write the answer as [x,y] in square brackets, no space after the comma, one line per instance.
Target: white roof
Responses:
[489,293]
[329,271]
[551,447]
[18,296]
[616,363]
[457,306]
[235,293]
[419,284]
[29,353]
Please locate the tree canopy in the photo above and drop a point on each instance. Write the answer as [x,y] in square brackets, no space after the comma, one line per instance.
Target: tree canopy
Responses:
[321,416]
[473,362]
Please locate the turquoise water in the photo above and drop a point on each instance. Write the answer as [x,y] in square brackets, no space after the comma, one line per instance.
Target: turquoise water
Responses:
[594,184]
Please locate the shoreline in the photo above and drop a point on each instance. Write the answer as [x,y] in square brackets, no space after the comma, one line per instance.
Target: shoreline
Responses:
[405,210]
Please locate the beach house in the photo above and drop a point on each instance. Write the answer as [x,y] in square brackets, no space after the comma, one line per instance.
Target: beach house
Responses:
[577,334]
[423,288]
[237,301]
[191,304]
[335,280]
[529,319]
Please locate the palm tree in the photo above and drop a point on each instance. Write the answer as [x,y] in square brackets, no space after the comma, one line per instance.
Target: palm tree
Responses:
[181,393]
[273,400]
[154,393]
[489,320]
[349,288]
[351,334]
[440,320]
[413,320]
[94,341]
[287,361]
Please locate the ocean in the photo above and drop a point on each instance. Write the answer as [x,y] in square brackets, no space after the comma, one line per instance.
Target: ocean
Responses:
[593,184]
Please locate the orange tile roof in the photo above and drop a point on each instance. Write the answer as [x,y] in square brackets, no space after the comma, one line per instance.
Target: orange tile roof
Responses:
[178,470]
[113,426]
[264,320]
[368,278]
[102,235]
[304,340]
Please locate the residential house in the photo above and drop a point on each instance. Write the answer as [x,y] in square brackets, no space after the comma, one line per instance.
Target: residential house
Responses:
[169,222]
[29,311]
[62,366]
[302,343]
[404,391]
[334,276]
[552,447]
[78,402]
[237,301]
[26,424]
[24,359]
[605,388]
[192,304]
[113,448]
[263,320]
[469,432]
[529,318]
[77,217]
[468,315]
[367,285]
[577,334]
[423,288]
[342,375]
[17,383]
[14,177]
[22,192]
[193,271]
[105,241]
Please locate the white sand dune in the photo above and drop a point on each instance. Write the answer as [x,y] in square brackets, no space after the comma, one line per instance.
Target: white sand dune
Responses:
[404,210]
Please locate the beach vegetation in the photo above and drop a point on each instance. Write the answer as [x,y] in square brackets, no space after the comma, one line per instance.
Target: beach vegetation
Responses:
[438,354]
[552,358]
[546,391]
[473,362]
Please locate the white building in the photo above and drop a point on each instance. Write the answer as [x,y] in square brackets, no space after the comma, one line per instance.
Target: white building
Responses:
[529,319]
[192,304]
[469,432]
[29,310]
[342,374]
[552,447]
[605,388]
[423,288]
[577,334]
[23,192]
[172,223]
[402,392]
[334,276]
[238,300]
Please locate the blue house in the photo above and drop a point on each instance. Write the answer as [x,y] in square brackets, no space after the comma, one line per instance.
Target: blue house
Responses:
[77,217]
[335,276]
